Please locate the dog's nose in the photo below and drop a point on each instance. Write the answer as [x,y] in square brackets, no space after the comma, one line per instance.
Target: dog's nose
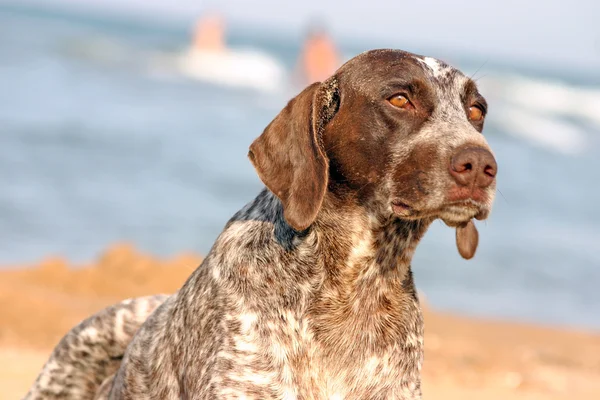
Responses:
[473,166]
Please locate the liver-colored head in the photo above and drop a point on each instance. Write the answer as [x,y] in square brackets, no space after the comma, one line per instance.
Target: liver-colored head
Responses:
[394,132]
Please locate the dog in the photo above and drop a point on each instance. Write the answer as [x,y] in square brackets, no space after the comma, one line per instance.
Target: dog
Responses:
[308,292]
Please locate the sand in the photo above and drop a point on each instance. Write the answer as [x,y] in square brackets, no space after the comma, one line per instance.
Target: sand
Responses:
[465,358]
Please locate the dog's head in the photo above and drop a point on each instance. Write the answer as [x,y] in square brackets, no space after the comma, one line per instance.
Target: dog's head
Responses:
[398,133]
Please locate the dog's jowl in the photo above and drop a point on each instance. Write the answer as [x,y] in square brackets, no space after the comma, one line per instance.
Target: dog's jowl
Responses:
[308,291]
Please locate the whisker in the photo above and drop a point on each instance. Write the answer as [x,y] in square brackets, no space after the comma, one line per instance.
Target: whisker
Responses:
[498,190]
[478,69]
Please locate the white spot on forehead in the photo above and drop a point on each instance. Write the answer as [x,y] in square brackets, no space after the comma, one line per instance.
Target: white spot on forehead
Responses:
[436,67]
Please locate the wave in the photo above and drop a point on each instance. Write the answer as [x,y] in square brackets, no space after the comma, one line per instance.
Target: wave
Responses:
[542,130]
[546,97]
[244,68]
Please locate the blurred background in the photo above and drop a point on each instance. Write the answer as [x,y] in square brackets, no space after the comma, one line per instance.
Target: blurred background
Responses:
[129,120]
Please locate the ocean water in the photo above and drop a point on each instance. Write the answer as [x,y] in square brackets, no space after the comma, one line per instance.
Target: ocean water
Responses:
[105,137]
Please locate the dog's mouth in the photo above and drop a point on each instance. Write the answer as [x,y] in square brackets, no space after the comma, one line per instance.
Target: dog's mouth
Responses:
[454,213]
[457,214]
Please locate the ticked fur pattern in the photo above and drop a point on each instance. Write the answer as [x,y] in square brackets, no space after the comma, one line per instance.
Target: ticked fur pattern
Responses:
[280,311]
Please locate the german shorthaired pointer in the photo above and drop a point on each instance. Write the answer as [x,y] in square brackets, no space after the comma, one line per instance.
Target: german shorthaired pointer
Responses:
[308,291]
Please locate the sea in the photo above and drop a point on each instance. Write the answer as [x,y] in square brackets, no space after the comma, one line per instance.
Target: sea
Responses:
[107,135]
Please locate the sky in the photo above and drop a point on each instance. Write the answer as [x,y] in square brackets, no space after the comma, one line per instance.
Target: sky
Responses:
[565,33]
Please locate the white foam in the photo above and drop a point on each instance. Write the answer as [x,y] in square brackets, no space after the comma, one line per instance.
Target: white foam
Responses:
[546,97]
[544,131]
[236,68]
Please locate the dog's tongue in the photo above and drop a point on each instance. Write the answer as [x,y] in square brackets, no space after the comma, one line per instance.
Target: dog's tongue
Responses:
[467,239]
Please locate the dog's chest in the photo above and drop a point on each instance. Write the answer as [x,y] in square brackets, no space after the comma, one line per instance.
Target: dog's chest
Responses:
[283,359]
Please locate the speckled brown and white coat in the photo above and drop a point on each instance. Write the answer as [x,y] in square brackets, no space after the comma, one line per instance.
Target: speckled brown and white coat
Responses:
[308,291]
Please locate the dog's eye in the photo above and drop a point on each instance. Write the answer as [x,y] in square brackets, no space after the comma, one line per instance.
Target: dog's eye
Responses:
[400,101]
[475,113]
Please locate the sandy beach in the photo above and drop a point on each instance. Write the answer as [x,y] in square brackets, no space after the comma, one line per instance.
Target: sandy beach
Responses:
[465,358]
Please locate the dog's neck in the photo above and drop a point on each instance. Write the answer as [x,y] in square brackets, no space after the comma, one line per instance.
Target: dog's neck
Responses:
[364,244]
[368,295]
[349,239]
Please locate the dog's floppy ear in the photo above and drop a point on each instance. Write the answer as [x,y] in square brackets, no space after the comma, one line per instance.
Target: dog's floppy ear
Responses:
[289,155]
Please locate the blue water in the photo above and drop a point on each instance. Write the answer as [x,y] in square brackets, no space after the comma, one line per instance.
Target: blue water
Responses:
[100,142]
